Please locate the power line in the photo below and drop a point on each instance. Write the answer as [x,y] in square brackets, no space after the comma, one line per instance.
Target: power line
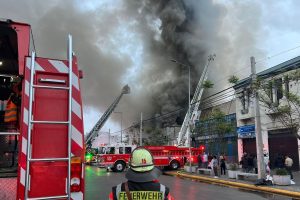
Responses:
[218,100]
[235,72]
[151,118]
[217,97]
[218,94]
[261,60]
[278,54]
[177,110]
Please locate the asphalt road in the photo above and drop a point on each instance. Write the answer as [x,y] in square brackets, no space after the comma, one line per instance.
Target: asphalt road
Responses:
[99,183]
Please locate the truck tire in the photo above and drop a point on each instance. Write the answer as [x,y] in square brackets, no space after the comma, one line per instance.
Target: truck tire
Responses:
[119,166]
[174,165]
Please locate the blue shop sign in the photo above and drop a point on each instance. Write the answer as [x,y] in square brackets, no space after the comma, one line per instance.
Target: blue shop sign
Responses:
[247,131]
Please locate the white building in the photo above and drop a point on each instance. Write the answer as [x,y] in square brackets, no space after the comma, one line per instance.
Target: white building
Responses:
[171,133]
[278,139]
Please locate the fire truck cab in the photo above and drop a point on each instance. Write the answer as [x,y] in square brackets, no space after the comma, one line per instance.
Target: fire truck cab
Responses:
[41,121]
[115,157]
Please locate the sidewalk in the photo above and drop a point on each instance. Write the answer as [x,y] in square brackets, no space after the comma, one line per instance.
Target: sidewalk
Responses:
[291,191]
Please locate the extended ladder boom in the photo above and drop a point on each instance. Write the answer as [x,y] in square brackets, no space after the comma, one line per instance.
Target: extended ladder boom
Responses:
[94,132]
[194,106]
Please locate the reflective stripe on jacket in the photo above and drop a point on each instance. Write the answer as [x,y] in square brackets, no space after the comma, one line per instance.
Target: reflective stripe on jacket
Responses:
[10,112]
[141,191]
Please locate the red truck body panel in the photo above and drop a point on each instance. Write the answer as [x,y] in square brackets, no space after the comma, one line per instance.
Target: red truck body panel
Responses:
[163,156]
[46,178]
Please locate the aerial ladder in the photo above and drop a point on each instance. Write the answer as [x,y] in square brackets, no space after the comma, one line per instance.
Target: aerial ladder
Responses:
[194,112]
[90,137]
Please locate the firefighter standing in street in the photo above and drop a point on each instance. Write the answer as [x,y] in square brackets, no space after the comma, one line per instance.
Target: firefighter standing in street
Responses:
[142,181]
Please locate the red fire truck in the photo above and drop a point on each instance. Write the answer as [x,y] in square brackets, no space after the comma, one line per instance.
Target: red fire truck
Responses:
[41,121]
[116,157]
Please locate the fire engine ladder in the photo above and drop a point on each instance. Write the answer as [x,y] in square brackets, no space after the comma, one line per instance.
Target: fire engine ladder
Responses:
[32,121]
[194,113]
[100,123]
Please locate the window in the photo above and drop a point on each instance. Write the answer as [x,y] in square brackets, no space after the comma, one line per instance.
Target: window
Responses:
[243,100]
[111,150]
[8,50]
[127,150]
[278,89]
[101,150]
[244,97]
[121,151]
[286,84]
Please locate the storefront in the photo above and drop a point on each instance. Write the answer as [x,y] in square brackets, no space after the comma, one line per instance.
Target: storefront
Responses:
[282,142]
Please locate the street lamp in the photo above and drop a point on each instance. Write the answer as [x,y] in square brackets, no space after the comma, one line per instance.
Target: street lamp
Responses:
[189,108]
[121,124]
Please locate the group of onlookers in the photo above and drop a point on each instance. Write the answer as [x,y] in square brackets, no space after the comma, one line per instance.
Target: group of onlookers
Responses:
[207,161]
[248,163]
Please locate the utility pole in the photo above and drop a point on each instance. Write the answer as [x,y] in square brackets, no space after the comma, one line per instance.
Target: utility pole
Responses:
[259,142]
[141,130]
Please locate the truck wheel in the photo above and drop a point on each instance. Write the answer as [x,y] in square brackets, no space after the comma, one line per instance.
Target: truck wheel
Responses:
[174,165]
[119,166]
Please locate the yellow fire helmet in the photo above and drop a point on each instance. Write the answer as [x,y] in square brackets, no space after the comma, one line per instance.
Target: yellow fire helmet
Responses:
[142,166]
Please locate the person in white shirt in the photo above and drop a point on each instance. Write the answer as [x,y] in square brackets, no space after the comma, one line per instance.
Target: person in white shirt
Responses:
[205,160]
[288,163]
[214,165]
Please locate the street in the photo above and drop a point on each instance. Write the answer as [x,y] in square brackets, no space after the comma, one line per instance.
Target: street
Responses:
[99,183]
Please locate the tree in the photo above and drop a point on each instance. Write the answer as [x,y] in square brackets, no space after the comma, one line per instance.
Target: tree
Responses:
[282,104]
[215,126]
[233,79]
[207,84]
[222,127]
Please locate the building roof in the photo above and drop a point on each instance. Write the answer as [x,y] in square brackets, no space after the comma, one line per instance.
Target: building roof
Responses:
[277,69]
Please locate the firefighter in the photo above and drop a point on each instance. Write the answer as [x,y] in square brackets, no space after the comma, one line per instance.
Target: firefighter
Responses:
[11,111]
[142,181]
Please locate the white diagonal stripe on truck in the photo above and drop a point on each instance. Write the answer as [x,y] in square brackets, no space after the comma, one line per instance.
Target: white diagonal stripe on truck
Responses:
[77,136]
[76,108]
[59,65]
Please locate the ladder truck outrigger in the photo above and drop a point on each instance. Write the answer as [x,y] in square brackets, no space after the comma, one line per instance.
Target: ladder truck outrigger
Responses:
[193,112]
[90,137]
[41,121]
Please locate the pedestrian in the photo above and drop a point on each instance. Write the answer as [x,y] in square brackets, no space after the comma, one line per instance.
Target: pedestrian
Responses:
[288,163]
[244,162]
[279,162]
[214,165]
[255,164]
[222,165]
[250,164]
[199,157]
[205,160]
[268,169]
[141,179]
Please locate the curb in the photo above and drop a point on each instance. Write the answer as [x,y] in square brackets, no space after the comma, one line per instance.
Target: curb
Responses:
[237,184]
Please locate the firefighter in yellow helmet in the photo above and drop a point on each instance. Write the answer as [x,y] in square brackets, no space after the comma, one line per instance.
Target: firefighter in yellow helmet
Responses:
[142,181]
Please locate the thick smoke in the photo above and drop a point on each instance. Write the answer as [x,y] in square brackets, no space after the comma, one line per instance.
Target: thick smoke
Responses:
[189,31]
[133,41]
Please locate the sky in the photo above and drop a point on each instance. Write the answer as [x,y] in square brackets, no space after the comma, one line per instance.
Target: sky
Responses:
[132,41]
